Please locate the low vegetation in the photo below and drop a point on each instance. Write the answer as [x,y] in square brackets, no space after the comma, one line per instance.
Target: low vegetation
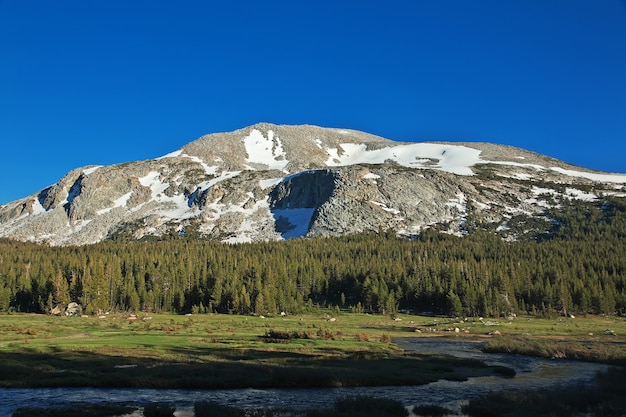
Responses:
[220,351]
[606,398]
[608,352]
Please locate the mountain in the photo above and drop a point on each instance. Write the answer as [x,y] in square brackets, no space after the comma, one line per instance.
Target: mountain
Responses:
[269,182]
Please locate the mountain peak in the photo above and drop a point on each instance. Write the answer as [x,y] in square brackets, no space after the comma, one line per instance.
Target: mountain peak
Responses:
[271,182]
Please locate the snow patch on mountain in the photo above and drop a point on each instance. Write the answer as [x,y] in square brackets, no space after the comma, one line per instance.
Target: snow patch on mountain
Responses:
[91,170]
[460,203]
[37,207]
[225,175]
[264,151]
[577,194]
[617,178]
[210,170]
[152,181]
[171,155]
[593,176]
[177,208]
[450,158]
[270,182]
[119,202]
[174,207]
[77,226]
[570,194]
[295,220]
[385,207]
[252,219]
[371,176]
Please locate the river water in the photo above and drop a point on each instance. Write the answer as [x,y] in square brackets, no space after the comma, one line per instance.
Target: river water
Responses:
[531,373]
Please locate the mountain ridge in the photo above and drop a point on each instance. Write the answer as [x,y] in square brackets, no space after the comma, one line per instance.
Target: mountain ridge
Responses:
[273,182]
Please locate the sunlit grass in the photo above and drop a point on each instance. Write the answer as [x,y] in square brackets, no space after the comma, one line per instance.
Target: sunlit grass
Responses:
[211,351]
[215,350]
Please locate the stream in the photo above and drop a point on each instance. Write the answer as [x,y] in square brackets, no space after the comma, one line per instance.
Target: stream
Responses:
[531,373]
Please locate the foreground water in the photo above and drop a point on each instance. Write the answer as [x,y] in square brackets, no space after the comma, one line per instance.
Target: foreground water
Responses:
[531,373]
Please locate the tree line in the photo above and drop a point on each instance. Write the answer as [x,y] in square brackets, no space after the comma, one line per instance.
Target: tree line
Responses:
[579,267]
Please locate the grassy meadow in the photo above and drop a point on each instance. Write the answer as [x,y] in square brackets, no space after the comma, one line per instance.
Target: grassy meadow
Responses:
[228,351]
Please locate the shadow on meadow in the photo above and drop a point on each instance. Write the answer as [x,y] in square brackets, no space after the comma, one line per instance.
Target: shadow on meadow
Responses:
[212,368]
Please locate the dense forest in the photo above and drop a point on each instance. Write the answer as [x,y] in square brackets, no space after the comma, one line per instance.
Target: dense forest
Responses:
[579,267]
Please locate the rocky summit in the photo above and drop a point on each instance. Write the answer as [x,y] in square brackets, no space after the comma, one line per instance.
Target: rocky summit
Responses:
[268,182]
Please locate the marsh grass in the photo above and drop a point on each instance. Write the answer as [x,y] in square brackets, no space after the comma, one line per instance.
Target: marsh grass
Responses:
[607,352]
[607,398]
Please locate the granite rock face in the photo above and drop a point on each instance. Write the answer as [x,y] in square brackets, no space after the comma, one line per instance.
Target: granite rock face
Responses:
[268,182]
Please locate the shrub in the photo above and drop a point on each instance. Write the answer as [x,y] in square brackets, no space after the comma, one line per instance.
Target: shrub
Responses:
[278,334]
[362,337]
[326,334]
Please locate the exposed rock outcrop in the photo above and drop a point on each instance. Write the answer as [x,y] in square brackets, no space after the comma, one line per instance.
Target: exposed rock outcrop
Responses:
[268,182]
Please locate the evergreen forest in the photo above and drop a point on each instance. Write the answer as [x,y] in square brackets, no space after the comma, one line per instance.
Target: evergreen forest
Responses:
[577,267]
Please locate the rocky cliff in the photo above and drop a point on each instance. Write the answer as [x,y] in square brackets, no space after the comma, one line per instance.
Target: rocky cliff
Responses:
[268,182]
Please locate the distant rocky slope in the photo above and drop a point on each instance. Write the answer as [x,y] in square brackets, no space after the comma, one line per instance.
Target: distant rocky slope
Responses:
[269,182]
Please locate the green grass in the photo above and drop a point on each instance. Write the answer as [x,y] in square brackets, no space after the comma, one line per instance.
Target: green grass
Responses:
[593,339]
[590,351]
[217,351]
[225,351]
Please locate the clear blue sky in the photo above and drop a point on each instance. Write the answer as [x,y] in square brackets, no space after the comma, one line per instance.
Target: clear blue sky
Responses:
[108,81]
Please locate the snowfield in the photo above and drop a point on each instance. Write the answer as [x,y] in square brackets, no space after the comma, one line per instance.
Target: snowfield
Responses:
[265,151]
[450,158]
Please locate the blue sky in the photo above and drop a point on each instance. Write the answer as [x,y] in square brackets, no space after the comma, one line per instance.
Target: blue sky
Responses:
[111,81]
